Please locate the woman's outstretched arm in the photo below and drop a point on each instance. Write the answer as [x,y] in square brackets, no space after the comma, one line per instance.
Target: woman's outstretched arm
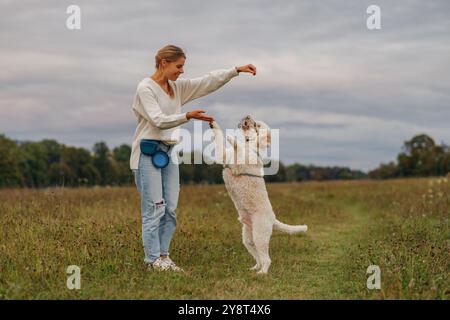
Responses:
[191,89]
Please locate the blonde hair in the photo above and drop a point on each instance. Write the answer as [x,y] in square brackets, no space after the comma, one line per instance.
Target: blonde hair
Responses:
[169,53]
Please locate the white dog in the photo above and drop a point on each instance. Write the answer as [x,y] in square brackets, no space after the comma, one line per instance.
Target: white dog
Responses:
[245,184]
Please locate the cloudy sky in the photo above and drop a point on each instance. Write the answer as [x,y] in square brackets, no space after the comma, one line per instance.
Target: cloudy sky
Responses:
[339,93]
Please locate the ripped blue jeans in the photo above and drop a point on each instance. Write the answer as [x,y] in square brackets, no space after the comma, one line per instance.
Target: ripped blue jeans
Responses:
[159,190]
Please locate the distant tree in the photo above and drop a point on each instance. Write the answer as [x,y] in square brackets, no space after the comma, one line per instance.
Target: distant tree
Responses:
[445,163]
[200,173]
[121,155]
[88,175]
[33,164]
[280,176]
[52,150]
[303,173]
[214,174]
[420,157]
[342,173]
[186,173]
[80,161]
[103,163]
[318,173]
[61,174]
[385,171]
[10,174]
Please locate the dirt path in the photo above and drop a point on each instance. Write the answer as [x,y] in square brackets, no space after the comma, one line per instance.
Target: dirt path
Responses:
[326,273]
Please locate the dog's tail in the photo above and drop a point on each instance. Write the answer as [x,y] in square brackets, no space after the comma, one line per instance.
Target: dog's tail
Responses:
[278,225]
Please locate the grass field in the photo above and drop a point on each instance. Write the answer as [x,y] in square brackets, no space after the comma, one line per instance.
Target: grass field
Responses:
[400,225]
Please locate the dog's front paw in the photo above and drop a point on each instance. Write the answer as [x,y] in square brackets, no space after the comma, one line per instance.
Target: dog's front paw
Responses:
[214,125]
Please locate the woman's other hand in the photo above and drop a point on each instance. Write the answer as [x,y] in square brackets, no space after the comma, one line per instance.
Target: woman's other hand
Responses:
[247,68]
[199,115]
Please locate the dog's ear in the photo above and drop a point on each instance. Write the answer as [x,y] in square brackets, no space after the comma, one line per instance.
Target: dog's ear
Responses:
[265,138]
[269,137]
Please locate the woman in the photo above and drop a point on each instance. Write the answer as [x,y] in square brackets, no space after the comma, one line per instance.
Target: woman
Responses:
[157,106]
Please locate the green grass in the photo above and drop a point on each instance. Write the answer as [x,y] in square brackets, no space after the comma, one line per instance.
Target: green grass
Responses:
[400,225]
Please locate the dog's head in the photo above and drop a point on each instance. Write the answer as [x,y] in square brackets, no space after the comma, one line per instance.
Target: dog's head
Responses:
[255,132]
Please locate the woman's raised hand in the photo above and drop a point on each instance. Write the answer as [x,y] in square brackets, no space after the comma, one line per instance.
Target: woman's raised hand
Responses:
[199,115]
[247,68]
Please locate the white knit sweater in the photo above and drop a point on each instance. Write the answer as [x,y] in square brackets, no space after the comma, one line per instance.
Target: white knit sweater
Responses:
[158,115]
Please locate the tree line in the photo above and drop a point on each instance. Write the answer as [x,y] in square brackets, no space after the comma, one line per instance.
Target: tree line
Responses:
[48,163]
[420,157]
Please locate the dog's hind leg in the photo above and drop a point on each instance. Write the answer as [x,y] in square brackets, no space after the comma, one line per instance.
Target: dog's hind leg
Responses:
[247,239]
[262,231]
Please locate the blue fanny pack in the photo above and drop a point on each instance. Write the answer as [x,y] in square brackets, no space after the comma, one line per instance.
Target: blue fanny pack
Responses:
[160,158]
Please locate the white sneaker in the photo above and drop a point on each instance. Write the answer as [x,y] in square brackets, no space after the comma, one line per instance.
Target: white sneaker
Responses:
[160,265]
[170,264]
